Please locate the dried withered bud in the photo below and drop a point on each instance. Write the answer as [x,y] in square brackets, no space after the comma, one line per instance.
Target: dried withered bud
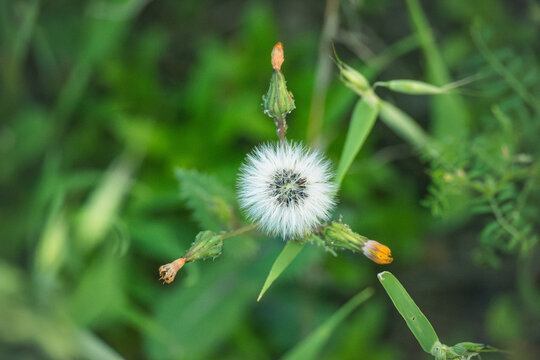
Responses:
[167,272]
[207,244]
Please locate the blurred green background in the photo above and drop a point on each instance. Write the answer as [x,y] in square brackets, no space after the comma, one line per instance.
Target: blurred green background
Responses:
[101,101]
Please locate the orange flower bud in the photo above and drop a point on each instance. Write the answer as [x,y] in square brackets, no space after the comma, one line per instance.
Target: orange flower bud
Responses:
[277,56]
[377,252]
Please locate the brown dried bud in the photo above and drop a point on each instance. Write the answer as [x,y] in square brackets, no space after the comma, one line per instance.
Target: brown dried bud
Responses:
[168,272]
[277,56]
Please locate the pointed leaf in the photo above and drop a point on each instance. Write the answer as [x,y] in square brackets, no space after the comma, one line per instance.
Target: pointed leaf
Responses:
[407,128]
[415,319]
[450,116]
[287,255]
[362,120]
[310,347]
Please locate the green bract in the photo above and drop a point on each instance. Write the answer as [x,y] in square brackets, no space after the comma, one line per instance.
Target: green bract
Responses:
[278,101]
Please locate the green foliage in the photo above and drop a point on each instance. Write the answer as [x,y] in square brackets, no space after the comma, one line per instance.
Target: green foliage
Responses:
[415,319]
[494,171]
[285,257]
[421,327]
[311,346]
[362,120]
[101,101]
[450,116]
[209,201]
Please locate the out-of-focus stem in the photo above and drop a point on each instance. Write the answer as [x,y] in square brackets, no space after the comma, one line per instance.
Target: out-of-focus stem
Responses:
[324,72]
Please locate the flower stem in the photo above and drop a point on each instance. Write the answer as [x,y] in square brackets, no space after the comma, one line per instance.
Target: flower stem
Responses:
[281,125]
[238,231]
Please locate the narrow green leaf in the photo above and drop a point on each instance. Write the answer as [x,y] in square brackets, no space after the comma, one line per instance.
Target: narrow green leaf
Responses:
[406,127]
[450,117]
[310,347]
[362,120]
[416,320]
[287,255]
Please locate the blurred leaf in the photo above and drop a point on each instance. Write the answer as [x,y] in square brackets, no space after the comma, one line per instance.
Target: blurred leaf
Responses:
[51,250]
[94,348]
[104,277]
[199,318]
[287,255]
[416,320]
[403,125]
[210,201]
[362,120]
[310,347]
[505,73]
[450,115]
[106,26]
[101,209]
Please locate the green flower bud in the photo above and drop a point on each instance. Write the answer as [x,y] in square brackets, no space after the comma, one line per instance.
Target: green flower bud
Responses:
[278,101]
[465,348]
[207,244]
[339,236]
[413,87]
[353,79]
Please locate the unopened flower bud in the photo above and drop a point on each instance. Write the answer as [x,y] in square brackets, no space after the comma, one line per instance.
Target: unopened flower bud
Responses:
[353,79]
[377,252]
[278,101]
[277,56]
[339,236]
[207,244]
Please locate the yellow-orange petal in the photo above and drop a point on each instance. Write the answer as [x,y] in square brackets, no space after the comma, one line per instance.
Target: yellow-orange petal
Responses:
[167,272]
[377,252]
[277,56]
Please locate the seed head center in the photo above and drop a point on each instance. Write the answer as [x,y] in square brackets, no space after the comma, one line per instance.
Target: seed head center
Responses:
[288,187]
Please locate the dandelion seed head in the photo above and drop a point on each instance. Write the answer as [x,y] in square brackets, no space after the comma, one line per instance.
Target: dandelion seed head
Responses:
[286,188]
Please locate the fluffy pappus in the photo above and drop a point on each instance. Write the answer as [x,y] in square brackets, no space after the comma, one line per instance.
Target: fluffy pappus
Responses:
[286,188]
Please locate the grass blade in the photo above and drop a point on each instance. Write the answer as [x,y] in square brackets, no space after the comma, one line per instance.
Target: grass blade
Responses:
[450,115]
[362,120]
[415,319]
[407,128]
[287,255]
[310,347]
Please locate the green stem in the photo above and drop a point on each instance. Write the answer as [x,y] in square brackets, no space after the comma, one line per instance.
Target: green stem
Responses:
[238,231]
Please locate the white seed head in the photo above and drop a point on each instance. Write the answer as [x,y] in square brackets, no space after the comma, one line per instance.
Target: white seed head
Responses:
[286,188]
